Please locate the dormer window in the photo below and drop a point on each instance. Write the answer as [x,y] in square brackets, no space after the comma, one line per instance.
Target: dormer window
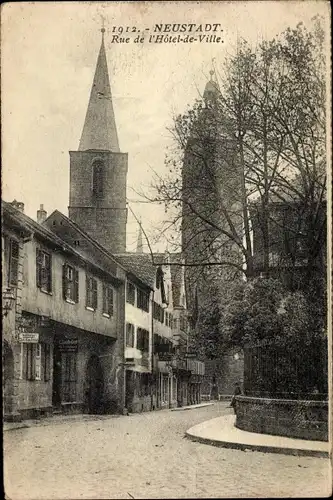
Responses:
[97,178]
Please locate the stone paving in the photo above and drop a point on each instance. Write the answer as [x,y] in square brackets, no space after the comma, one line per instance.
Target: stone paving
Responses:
[147,456]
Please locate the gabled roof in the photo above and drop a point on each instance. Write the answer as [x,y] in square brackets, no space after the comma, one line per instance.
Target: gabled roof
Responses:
[41,231]
[33,226]
[99,130]
[176,269]
[140,266]
[79,230]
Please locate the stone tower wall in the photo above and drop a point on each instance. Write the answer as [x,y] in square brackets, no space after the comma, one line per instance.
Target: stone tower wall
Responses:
[103,217]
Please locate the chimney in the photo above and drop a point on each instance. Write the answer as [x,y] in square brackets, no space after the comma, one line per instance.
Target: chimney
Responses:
[18,205]
[41,214]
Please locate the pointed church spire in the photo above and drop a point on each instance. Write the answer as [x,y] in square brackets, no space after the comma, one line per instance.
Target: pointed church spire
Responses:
[99,130]
[139,246]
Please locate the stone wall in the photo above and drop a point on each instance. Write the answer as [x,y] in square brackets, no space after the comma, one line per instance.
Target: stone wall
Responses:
[281,417]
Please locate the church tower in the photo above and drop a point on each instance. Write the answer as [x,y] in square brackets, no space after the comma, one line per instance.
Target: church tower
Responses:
[98,170]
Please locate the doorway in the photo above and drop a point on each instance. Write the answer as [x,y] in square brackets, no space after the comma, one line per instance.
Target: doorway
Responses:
[129,388]
[94,386]
[57,378]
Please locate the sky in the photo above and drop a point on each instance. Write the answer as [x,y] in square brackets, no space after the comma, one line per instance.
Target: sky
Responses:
[49,54]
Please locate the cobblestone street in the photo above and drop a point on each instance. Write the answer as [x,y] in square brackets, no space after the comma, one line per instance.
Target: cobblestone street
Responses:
[146,456]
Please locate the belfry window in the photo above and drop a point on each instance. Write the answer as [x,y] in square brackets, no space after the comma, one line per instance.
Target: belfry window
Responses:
[97,178]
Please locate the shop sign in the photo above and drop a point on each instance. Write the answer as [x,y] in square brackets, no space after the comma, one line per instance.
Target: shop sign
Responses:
[27,323]
[68,345]
[190,354]
[163,348]
[28,337]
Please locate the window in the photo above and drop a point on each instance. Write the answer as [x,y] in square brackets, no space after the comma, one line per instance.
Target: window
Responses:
[43,270]
[142,341]
[13,262]
[130,293]
[107,300]
[70,283]
[69,376]
[168,319]
[33,361]
[97,178]
[129,335]
[158,312]
[91,292]
[142,300]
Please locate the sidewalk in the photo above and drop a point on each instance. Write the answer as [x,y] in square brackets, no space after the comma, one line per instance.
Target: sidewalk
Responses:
[192,407]
[55,419]
[222,432]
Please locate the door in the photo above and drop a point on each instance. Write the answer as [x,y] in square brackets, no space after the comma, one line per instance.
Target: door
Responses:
[95,386]
[129,394]
[56,388]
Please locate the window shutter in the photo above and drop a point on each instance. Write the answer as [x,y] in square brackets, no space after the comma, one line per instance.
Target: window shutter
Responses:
[110,301]
[87,290]
[13,262]
[146,348]
[104,301]
[39,257]
[76,285]
[94,294]
[46,352]
[50,273]
[64,281]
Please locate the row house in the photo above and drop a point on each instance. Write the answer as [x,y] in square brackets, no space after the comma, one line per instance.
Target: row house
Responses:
[63,340]
[160,370]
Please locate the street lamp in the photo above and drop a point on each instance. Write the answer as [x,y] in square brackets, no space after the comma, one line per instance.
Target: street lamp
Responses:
[8,299]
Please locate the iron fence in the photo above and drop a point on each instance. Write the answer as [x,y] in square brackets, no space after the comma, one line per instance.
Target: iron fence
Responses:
[293,372]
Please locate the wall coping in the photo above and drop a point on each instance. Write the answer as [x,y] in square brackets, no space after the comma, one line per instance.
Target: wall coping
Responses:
[294,402]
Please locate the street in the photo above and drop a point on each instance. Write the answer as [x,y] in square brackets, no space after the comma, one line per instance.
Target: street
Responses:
[146,456]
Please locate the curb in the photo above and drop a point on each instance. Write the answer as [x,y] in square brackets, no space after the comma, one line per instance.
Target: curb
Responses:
[55,421]
[194,407]
[16,428]
[252,447]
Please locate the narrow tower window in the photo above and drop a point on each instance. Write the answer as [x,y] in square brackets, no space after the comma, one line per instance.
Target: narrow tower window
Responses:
[97,178]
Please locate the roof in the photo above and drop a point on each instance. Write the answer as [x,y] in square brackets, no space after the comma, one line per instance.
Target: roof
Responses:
[142,269]
[43,232]
[140,265]
[176,268]
[33,226]
[99,130]
[84,234]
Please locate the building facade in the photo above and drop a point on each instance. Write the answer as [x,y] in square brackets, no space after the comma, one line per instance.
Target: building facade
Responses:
[68,326]
[15,234]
